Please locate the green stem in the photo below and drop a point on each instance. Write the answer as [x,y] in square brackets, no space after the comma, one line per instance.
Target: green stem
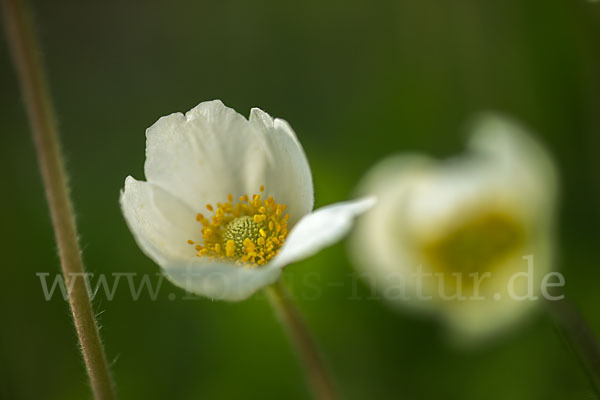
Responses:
[27,60]
[574,329]
[317,374]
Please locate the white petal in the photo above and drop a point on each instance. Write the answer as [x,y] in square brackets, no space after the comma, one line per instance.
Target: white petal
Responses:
[221,281]
[520,163]
[161,224]
[202,156]
[320,229]
[283,168]
[379,245]
[213,151]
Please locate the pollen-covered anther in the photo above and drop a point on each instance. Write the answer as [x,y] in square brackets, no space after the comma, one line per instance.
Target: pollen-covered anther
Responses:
[249,232]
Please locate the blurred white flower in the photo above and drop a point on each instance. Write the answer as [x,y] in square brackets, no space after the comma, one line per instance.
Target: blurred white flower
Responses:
[440,225]
[221,195]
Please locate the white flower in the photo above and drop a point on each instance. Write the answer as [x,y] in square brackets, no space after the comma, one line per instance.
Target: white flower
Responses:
[437,222]
[222,192]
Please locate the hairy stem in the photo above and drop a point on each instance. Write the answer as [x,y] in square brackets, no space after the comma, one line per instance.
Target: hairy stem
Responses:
[574,329]
[317,374]
[27,60]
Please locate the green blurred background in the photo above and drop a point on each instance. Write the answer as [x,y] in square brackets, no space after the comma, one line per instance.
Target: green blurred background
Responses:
[357,80]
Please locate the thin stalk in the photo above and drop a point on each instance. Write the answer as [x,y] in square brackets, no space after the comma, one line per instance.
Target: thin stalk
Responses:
[317,374]
[25,52]
[573,328]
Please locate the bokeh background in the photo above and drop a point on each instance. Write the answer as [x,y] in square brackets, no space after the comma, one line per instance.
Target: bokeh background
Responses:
[358,80]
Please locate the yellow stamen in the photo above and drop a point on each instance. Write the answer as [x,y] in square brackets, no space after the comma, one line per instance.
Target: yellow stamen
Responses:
[230,248]
[249,232]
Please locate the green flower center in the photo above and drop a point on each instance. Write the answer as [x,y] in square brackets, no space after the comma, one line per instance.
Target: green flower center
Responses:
[240,229]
